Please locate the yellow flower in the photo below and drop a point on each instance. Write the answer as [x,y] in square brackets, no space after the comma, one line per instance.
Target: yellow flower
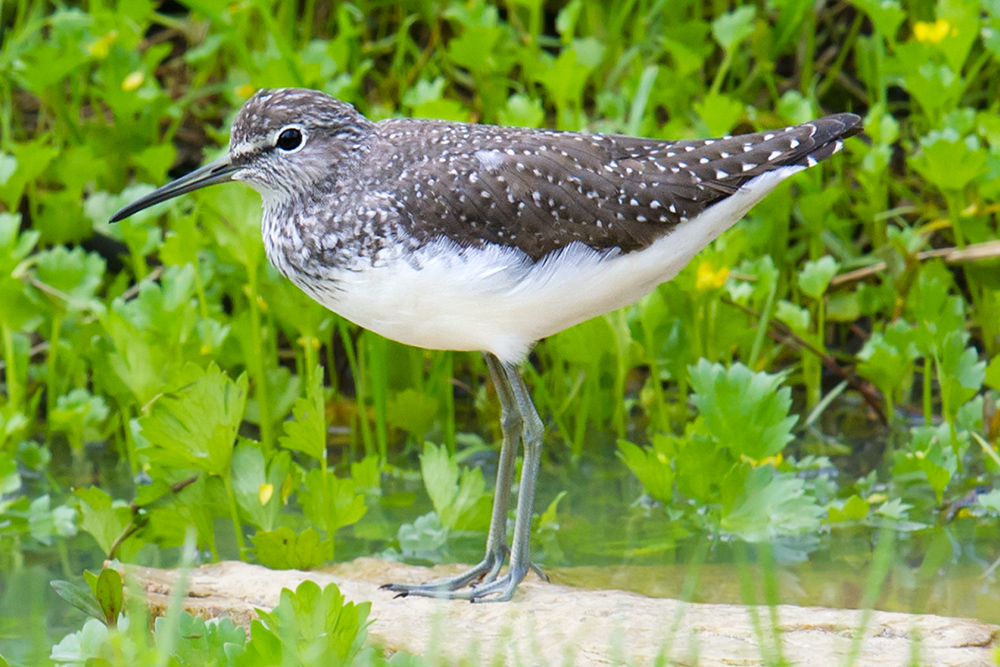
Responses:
[133,81]
[933,33]
[102,46]
[709,278]
[265,492]
[244,91]
[775,460]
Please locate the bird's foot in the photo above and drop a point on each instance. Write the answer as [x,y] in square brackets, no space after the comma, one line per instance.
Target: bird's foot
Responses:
[474,584]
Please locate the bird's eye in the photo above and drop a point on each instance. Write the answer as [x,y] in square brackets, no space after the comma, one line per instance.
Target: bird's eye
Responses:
[289,139]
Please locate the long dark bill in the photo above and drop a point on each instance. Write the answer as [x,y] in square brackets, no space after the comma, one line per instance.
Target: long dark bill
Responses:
[220,171]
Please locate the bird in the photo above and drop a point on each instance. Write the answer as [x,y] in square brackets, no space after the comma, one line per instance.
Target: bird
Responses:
[473,237]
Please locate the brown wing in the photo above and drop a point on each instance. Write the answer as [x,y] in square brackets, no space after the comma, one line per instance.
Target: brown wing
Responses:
[540,190]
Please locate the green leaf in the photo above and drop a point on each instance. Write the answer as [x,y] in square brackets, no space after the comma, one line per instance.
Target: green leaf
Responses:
[960,373]
[886,15]
[32,160]
[105,520]
[733,27]
[425,538]
[522,111]
[458,494]
[887,359]
[933,451]
[719,112]
[75,273]
[894,509]
[933,308]
[307,433]
[796,317]
[413,411]
[652,466]
[548,520]
[744,411]
[992,377]
[283,549]
[109,594]
[330,502]
[8,165]
[258,486]
[990,501]
[216,642]
[89,646]
[950,162]
[310,627]
[195,425]
[815,276]
[772,504]
[854,508]
[80,596]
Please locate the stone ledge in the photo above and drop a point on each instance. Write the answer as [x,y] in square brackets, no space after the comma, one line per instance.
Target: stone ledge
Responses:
[553,624]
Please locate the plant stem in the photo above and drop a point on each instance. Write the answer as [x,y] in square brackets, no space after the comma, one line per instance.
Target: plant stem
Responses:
[235,516]
[259,365]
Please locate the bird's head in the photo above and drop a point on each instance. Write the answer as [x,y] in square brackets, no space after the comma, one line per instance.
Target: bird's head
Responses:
[284,142]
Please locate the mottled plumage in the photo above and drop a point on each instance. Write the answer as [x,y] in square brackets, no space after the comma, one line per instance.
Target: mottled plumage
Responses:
[472,237]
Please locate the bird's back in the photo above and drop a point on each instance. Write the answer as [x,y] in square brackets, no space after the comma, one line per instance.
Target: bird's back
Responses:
[540,190]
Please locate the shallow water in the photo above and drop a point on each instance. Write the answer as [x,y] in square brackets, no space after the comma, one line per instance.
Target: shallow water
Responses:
[604,539]
[607,540]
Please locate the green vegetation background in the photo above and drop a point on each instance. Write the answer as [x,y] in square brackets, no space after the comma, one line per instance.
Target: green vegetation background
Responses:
[829,364]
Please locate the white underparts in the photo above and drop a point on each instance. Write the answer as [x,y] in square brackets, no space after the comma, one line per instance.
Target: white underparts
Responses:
[496,299]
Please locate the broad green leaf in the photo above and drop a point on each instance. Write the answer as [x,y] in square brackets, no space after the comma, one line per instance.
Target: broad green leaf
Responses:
[413,411]
[75,273]
[991,501]
[950,162]
[960,373]
[283,549]
[733,27]
[258,485]
[772,504]
[719,112]
[195,425]
[796,317]
[216,642]
[816,275]
[105,520]
[746,412]
[886,15]
[330,502]
[109,594]
[652,466]
[307,432]
[458,494]
[310,627]
[853,509]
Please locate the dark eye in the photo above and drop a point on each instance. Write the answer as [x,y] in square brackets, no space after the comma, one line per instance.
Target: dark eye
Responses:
[289,139]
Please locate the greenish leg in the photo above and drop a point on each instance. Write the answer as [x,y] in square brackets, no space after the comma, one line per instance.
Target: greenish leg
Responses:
[517,418]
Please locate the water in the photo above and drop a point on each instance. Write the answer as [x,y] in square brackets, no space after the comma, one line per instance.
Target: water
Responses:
[605,539]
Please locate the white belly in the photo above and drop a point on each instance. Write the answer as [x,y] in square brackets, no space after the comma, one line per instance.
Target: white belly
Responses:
[496,299]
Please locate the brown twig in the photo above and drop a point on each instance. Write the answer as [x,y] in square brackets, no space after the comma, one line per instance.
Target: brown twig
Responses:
[972,253]
[135,524]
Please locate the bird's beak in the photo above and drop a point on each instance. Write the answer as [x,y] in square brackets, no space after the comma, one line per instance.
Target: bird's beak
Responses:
[220,171]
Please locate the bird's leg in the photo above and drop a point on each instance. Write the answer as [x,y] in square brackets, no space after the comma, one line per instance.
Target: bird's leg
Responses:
[511,424]
[520,559]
